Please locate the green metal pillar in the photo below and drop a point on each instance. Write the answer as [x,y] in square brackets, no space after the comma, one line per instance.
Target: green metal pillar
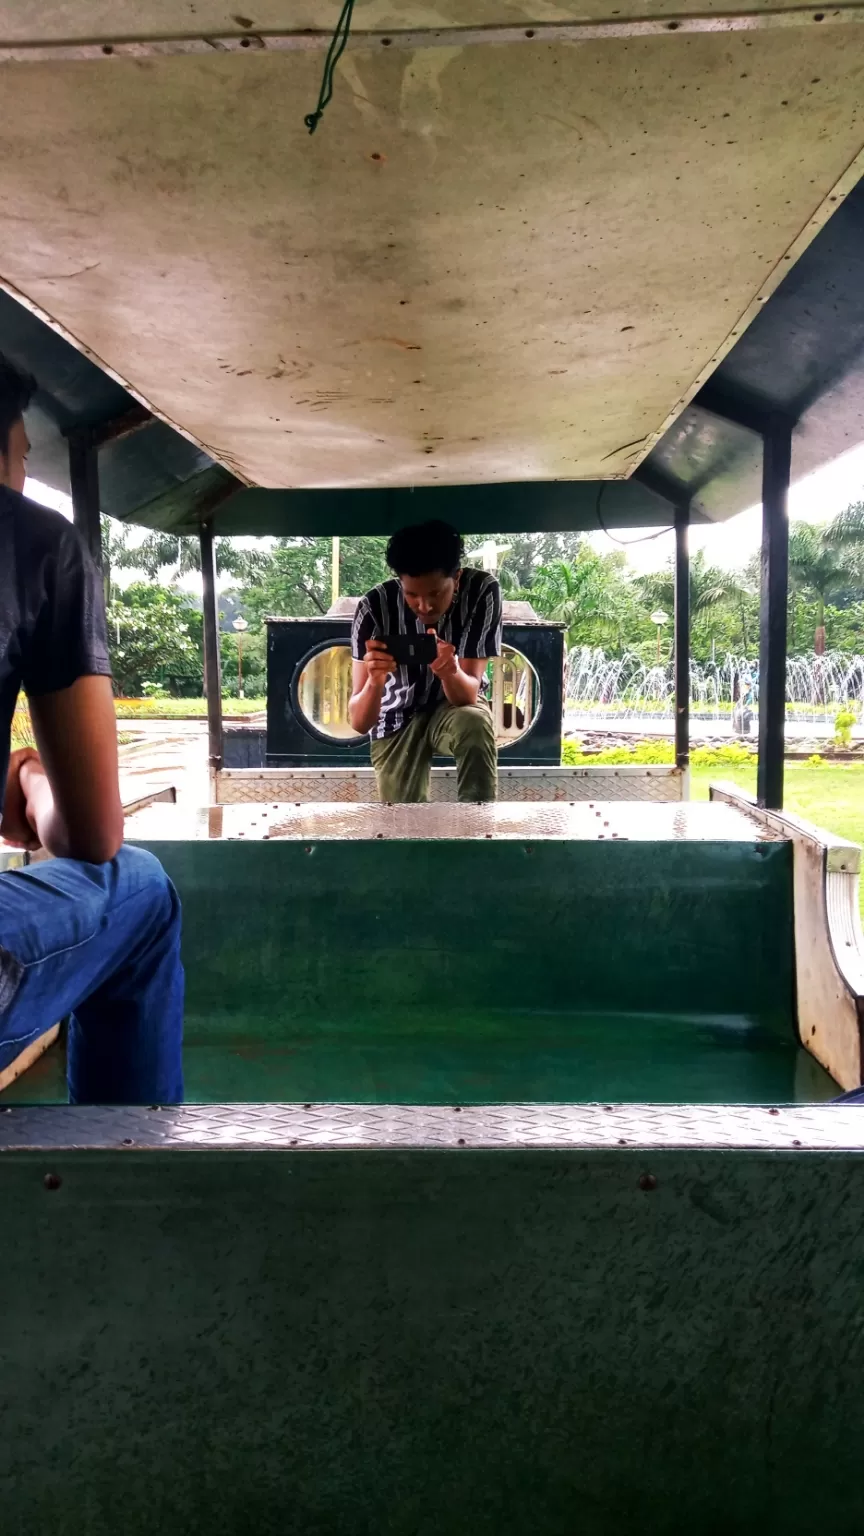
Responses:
[212,663]
[682,639]
[776,467]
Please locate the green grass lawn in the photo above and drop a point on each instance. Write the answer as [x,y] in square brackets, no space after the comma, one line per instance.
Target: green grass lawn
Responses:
[181,709]
[832,797]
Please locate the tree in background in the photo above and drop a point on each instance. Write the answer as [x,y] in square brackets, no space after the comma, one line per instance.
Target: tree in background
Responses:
[160,552]
[723,606]
[295,578]
[709,586]
[523,555]
[115,541]
[827,562]
[844,627]
[591,596]
[152,641]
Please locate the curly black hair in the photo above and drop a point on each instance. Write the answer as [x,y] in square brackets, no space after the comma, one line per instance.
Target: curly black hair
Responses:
[424,547]
[17,389]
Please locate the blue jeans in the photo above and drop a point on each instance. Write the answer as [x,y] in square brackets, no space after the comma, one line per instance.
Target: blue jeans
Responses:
[101,943]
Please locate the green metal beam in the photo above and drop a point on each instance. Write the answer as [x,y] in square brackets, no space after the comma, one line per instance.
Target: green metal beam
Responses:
[553,506]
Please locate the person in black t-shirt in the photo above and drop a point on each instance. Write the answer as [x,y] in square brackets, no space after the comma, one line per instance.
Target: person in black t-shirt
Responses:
[94,932]
[414,711]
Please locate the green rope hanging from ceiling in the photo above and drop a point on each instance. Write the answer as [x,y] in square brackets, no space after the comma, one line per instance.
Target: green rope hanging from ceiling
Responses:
[334,53]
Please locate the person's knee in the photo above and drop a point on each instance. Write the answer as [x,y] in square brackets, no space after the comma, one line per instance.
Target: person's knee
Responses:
[140,876]
[473,727]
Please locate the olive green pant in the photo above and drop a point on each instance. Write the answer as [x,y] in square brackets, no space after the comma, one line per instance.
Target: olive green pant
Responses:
[402,761]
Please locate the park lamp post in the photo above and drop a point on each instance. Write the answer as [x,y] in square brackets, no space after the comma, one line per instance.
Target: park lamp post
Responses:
[659,618]
[240,626]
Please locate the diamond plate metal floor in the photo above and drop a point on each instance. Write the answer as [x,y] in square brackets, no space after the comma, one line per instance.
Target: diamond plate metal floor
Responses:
[284,1126]
[582,822]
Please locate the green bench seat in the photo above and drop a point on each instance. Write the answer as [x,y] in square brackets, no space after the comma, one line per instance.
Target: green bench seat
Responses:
[485,972]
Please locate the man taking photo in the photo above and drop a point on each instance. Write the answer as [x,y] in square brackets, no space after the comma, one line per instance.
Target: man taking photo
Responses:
[428,698]
[92,934]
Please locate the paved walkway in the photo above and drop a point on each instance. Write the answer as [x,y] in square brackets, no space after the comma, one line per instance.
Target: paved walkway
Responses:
[167,754]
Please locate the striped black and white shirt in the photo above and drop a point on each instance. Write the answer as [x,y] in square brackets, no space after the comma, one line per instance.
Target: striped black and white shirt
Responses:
[472,624]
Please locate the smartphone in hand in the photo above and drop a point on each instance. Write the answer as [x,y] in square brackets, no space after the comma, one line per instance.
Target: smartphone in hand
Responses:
[411,650]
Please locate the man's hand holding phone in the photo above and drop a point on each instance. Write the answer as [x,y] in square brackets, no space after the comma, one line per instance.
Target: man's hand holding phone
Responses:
[446,662]
[379,663]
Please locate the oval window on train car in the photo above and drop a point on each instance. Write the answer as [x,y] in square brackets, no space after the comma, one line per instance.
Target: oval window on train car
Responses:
[513,688]
[323,691]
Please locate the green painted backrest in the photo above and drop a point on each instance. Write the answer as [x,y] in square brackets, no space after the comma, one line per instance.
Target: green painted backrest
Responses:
[334,928]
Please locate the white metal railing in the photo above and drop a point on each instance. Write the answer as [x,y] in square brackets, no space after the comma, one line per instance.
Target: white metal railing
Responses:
[514,694]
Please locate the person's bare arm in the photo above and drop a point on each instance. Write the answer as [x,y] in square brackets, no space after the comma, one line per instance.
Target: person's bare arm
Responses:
[459,676]
[369,680]
[71,790]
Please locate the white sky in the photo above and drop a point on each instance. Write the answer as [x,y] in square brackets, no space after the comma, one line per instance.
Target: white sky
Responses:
[815,499]
[48,497]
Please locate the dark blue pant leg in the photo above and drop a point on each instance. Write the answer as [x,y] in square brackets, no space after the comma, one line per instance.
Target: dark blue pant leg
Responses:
[100,942]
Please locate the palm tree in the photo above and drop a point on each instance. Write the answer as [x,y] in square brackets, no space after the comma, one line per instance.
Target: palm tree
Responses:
[572,591]
[115,537]
[709,586]
[523,555]
[743,596]
[846,530]
[827,561]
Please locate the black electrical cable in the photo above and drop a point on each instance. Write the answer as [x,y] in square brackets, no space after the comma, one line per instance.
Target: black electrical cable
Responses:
[334,53]
[625,543]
